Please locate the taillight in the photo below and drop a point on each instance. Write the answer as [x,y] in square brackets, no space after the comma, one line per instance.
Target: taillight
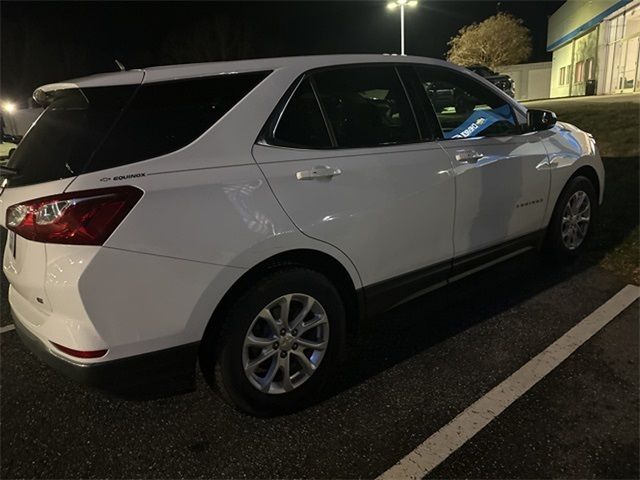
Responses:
[76,218]
[80,353]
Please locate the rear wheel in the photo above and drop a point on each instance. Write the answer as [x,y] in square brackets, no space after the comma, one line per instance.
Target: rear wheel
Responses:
[280,340]
[572,222]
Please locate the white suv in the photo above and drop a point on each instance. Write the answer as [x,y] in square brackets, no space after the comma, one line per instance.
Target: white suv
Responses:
[249,215]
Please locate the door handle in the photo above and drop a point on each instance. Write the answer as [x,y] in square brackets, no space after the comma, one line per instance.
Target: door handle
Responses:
[323,171]
[468,156]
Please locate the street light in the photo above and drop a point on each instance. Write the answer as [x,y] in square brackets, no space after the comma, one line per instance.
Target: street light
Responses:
[401,3]
[9,107]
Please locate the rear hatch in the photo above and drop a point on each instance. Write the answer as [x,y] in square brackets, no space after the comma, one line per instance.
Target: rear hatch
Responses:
[62,142]
[59,146]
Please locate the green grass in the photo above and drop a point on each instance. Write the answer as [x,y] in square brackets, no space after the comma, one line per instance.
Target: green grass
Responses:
[615,124]
[616,242]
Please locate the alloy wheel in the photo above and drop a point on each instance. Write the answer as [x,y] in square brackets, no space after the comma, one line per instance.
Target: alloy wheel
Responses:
[285,343]
[575,220]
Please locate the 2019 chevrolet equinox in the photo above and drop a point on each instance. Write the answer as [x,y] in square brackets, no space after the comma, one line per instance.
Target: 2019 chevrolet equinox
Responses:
[245,216]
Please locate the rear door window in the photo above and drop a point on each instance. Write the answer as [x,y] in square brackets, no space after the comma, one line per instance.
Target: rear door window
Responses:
[366,106]
[91,129]
[301,124]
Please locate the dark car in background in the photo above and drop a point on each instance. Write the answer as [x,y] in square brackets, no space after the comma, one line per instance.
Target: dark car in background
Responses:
[503,82]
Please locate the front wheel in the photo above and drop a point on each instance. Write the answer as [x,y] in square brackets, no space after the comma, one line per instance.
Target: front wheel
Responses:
[571,224]
[278,344]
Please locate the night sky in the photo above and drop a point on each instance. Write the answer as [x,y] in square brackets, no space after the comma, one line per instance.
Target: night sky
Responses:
[52,41]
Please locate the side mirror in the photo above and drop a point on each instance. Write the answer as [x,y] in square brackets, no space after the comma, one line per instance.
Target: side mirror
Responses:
[540,120]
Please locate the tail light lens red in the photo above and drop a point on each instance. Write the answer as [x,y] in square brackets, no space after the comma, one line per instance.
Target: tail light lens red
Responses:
[88,217]
[80,353]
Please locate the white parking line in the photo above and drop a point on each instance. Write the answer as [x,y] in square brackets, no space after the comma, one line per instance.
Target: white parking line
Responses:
[7,328]
[453,435]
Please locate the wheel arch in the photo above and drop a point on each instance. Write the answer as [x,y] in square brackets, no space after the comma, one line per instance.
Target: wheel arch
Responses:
[550,244]
[589,172]
[314,259]
[561,178]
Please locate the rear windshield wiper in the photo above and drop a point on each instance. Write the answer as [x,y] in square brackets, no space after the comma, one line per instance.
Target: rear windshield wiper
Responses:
[8,171]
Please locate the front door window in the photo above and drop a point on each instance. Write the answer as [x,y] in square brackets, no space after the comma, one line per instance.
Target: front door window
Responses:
[464,107]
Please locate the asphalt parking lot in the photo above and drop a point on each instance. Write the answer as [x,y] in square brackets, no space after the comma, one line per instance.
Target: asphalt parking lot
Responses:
[424,363]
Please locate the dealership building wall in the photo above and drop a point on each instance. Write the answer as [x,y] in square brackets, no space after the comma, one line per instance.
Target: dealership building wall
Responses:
[532,80]
[596,46]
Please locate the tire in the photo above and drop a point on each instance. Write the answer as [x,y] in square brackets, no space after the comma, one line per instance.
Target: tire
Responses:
[558,240]
[223,359]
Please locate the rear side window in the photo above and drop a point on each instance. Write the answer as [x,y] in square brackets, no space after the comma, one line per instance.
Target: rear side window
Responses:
[366,106]
[103,127]
[301,124]
[164,117]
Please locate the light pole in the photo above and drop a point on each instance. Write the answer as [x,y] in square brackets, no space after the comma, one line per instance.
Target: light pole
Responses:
[401,3]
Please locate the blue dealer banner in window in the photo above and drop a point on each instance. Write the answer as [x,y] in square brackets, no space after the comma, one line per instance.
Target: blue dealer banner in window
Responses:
[479,121]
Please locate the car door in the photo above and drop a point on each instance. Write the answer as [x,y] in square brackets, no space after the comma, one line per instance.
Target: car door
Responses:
[350,166]
[501,174]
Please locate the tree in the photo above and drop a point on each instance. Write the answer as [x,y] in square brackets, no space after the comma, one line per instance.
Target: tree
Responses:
[499,40]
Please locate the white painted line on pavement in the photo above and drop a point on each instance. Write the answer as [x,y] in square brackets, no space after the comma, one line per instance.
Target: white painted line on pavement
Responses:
[7,328]
[474,418]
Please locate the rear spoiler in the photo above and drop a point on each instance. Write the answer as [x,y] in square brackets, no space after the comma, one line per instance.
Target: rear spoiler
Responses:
[45,94]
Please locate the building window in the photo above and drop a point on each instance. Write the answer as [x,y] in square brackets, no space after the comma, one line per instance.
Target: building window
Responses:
[579,72]
[589,69]
[563,75]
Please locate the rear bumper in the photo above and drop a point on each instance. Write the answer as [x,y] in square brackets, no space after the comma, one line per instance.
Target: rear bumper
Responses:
[142,376]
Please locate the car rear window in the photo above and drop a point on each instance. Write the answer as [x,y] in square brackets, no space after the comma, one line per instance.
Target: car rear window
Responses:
[97,128]
[67,134]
